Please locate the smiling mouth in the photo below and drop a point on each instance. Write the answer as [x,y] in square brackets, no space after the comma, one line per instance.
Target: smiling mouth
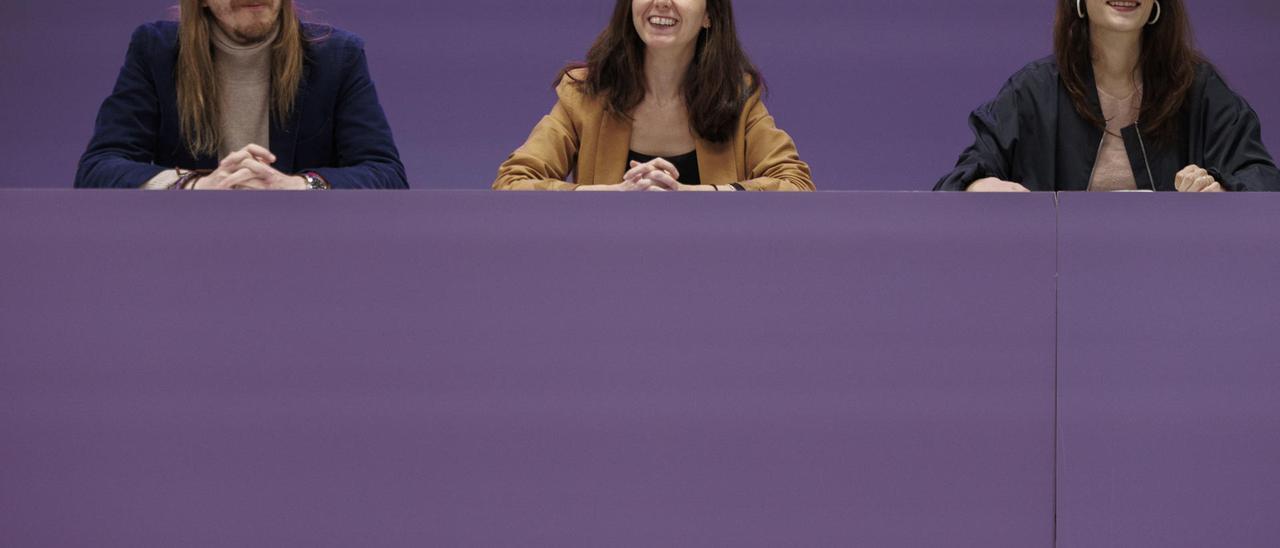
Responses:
[1124,6]
[665,22]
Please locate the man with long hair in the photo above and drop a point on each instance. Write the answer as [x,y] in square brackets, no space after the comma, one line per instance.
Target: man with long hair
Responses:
[240,94]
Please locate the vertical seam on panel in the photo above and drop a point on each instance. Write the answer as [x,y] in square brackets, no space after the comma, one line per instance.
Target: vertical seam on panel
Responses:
[1057,335]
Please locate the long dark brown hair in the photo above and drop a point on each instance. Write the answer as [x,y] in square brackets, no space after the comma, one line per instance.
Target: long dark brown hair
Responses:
[1168,59]
[715,86]
[197,81]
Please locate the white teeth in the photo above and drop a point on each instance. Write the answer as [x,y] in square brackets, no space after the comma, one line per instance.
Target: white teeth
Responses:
[1123,4]
[662,21]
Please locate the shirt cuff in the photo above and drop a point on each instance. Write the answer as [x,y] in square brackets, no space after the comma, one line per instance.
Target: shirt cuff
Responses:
[162,180]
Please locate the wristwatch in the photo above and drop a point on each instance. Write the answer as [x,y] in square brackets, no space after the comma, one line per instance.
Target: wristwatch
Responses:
[315,181]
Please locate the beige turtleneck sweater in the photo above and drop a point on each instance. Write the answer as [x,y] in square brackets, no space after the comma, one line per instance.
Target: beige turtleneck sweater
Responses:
[244,106]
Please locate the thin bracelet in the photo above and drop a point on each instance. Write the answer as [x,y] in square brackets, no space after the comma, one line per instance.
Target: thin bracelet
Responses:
[716,187]
[181,182]
[187,179]
[738,187]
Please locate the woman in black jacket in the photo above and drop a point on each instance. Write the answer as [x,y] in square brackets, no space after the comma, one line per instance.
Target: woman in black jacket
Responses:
[1125,103]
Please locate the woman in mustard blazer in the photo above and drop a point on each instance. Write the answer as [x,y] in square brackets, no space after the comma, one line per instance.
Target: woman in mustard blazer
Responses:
[667,100]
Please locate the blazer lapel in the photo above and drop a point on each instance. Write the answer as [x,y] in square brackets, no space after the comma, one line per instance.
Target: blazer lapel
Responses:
[716,163]
[614,145]
[284,138]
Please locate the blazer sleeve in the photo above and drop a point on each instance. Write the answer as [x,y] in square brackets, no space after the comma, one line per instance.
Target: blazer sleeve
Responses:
[547,157]
[121,151]
[366,151]
[1233,145]
[995,131]
[773,164]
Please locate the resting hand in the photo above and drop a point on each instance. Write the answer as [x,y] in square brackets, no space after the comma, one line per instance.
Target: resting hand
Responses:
[657,175]
[992,184]
[1194,179]
[249,169]
[657,172]
[625,186]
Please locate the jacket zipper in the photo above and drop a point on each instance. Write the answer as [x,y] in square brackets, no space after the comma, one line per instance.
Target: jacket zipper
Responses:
[1096,157]
[1151,177]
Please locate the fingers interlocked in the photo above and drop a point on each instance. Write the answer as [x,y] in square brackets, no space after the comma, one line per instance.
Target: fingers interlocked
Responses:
[247,168]
[656,174]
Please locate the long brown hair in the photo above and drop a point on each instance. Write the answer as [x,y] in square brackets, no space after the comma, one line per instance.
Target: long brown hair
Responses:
[1168,59]
[714,87]
[197,82]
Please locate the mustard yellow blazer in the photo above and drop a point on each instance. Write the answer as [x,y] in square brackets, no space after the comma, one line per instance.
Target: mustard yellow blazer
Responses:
[581,139]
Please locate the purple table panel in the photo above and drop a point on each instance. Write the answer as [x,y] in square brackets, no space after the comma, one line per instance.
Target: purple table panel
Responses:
[1169,364]
[477,369]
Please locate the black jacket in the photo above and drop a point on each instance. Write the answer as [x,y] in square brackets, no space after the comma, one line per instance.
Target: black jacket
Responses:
[337,128]
[1031,134]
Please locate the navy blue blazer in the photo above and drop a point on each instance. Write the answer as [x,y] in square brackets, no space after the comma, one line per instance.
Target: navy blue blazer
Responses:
[337,128]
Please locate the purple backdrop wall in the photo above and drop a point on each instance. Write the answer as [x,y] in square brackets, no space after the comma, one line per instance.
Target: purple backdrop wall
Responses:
[876,94]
